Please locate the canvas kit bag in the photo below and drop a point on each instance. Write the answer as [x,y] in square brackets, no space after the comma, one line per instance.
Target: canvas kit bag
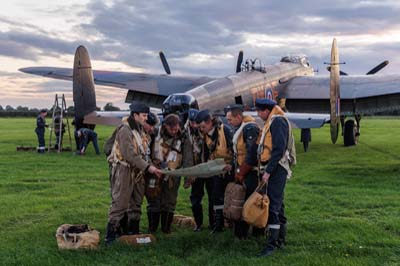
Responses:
[256,207]
[233,201]
[77,236]
[183,221]
[137,240]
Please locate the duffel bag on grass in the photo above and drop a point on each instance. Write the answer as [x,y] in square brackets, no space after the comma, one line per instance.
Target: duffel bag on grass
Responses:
[77,236]
[256,208]
[234,200]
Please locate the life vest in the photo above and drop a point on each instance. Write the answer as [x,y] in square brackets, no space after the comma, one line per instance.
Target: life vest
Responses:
[218,148]
[288,159]
[239,144]
[168,151]
[265,141]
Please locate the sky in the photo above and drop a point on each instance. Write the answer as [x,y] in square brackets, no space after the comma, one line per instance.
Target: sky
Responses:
[198,38]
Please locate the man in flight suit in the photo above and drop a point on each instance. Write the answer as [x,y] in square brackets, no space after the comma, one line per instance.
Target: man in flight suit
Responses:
[271,151]
[192,156]
[245,156]
[130,163]
[217,144]
[167,154]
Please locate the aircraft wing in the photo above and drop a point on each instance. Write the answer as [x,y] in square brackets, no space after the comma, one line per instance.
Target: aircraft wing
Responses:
[162,85]
[365,94]
[110,118]
[351,87]
[304,120]
[299,120]
[105,118]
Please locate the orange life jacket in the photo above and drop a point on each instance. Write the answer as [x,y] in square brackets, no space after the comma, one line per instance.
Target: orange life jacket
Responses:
[221,149]
[266,133]
[239,143]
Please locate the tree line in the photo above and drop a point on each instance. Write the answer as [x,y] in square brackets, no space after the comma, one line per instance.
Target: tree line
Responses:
[9,111]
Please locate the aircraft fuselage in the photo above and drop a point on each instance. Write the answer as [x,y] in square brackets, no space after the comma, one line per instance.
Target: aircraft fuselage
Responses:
[244,87]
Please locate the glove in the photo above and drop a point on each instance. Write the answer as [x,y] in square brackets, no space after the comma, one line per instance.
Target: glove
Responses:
[188,182]
[243,170]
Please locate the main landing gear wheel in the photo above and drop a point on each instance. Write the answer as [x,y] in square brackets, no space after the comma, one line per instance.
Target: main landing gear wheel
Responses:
[350,136]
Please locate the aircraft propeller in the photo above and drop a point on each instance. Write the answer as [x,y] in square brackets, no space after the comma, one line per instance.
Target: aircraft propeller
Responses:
[239,62]
[334,92]
[342,73]
[371,72]
[165,63]
[378,67]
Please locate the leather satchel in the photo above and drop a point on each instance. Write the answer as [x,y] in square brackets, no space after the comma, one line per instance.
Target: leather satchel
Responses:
[256,208]
[233,201]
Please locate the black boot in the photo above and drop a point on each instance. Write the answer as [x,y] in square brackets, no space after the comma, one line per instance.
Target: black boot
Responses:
[150,221]
[123,225]
[272,243]
[133,227]
[154,220]
[166,221]
[244,229]
[164,216]
[170,218]
[236,230]
[258,232]
[111,234]
[219,222]
[198,217]
[240,229]
[211,218]
[282,236]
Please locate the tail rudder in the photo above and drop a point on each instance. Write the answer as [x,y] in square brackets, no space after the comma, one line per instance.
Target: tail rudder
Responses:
[83,85]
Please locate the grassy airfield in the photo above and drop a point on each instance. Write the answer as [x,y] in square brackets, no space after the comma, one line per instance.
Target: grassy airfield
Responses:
[343,206]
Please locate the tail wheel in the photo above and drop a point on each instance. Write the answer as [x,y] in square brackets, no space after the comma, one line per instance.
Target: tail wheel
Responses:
[350,133]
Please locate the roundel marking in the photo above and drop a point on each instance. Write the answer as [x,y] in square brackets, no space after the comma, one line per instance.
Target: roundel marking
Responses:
[269,94]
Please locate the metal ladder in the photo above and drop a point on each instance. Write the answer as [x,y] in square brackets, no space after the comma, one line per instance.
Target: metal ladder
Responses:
[59,110]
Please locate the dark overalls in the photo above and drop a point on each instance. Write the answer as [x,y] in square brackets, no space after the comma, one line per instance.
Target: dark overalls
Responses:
[277,180]
[250,136]
[87,136]
[40,129]
[276,185]
[197,192]
[219,182]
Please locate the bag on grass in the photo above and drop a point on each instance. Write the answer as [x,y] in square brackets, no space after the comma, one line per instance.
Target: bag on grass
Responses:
[256,208]
[77,236]
[234,200]
[137,240]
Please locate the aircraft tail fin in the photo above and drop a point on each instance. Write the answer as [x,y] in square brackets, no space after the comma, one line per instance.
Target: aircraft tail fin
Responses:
[83,85]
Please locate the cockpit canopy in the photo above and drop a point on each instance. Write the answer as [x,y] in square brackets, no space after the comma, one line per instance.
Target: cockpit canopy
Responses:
[296,59]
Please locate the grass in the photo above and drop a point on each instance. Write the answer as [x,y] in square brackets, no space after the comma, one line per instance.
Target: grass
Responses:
[343,206]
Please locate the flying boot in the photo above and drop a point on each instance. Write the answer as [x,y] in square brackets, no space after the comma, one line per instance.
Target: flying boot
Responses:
[198,217]
[272,243]
[133,227]
[219,222]
[111,233]
[282,236]
[154,220]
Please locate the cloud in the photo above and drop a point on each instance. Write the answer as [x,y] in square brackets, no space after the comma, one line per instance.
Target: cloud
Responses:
[204,37]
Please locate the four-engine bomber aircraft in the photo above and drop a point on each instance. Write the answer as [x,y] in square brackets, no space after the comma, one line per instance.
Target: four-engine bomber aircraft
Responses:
[310,100]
